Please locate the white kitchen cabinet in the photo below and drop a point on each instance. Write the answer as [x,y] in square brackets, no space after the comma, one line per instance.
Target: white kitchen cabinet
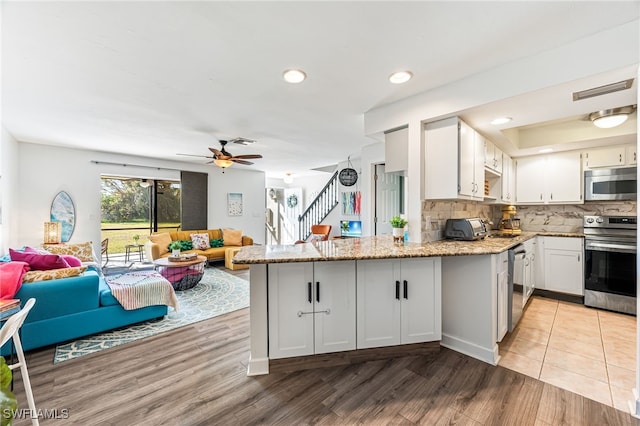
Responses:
[454,161]
[396,150]
[563,265]
[492,156]
[549,179]
[530,276]
[311,308]
[606,157]
[398,301]
[631,155]
[503,295]
[508,180]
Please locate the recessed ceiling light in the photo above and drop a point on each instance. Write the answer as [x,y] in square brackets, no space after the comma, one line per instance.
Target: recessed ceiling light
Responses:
[501,120]
[400,77]
[288,178]
[294,76]
[545,150]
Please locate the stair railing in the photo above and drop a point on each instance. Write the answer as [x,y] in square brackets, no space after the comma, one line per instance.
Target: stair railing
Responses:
[319,208]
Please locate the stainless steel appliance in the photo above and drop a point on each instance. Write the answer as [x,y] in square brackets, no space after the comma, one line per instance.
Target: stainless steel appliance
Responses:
[610,262]
[516,256]
[610,184]
[465,229]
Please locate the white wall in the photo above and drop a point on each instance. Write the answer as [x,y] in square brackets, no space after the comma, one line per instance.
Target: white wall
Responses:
[46,170]
[8,188]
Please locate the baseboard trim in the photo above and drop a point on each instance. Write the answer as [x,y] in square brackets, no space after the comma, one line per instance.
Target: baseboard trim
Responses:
[258,366]
[471,349]
[559,296]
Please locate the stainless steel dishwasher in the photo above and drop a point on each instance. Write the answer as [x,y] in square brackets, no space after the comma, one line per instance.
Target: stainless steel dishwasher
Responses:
[517,256]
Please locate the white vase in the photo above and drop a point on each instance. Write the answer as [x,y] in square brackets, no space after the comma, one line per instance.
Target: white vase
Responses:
[175,252]
[398,235]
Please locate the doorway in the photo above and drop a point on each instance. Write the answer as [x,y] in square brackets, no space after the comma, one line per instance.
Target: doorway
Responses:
[133,208]
[389,198]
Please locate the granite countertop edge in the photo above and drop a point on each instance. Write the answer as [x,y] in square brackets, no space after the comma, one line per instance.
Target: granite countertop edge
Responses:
[382,247]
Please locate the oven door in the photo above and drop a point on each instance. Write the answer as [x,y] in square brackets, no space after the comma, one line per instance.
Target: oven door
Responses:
[610,266]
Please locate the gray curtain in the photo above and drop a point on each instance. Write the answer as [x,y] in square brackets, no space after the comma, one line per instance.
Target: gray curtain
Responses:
[194,200]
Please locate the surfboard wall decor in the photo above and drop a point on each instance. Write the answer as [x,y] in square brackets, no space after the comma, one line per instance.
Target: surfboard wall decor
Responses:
[62,210]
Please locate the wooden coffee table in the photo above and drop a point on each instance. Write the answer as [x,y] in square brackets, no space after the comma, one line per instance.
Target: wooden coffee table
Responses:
[182,275]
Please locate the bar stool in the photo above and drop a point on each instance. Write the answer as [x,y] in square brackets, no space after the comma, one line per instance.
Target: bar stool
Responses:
[11,330]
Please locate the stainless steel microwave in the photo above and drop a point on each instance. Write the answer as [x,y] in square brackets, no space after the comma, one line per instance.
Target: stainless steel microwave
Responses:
[610,184]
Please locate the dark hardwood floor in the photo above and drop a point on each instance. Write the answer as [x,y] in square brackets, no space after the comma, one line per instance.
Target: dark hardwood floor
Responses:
[196,375]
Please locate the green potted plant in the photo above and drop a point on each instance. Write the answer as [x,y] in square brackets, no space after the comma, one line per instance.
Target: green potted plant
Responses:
[398,223]
[8,402]
[175,247]
[136,238]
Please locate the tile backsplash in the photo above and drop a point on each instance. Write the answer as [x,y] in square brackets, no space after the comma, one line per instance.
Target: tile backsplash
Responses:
[535,218]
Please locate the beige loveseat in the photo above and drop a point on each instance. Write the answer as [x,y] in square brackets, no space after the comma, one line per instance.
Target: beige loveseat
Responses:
[158,244]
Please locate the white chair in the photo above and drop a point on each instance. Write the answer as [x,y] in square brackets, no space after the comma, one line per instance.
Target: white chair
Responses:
[11,330]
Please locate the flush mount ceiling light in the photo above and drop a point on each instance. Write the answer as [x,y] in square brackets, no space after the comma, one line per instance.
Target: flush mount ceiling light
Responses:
[609,118]
[288,178]
[545,150]
[400,77]
[145,183]
[294,76]
[501,120]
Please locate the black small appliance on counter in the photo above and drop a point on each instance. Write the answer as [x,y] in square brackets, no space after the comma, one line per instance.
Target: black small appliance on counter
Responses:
[465,229]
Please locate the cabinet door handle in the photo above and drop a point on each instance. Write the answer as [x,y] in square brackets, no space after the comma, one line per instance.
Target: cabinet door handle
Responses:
[621,158]
[578,258]
[398,290]
[309,290]
[552,195]
[406,289]
[541,195]
[318,291]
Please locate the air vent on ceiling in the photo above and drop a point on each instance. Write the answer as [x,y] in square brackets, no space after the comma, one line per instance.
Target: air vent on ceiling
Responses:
[603,90]
[242,141]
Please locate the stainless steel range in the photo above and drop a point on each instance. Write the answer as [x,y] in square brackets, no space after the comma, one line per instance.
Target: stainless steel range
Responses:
[610,262]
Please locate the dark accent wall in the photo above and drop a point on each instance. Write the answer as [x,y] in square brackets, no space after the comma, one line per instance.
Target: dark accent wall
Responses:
[194,200]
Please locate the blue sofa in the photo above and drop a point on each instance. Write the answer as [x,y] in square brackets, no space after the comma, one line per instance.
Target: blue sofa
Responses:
[69,308]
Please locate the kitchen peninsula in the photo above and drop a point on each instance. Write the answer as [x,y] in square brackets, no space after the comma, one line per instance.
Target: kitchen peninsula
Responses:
[352,294]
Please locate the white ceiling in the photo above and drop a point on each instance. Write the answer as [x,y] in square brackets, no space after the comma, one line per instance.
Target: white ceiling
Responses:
[160,78]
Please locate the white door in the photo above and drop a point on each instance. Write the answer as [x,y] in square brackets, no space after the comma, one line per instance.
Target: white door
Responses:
[607,157]
[530,179]
[466,172]
[419,315]
[563,271]
[503,296]
[335,306]
[508,180]
[290,309]
[389,198]
[378,303]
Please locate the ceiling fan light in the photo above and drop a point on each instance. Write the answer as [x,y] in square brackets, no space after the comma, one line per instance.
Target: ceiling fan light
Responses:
[609,118]
[294,76]
[222,163]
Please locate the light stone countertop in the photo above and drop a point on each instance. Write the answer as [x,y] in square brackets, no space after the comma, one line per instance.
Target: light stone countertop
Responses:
[380,247]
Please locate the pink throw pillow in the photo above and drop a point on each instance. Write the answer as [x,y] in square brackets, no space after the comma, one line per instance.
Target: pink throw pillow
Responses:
[39,262]
[72,261]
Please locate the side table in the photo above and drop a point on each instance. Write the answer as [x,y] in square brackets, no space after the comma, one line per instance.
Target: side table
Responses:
[132,248]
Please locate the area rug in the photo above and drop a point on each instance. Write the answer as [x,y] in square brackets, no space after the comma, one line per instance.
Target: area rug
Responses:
[218,293]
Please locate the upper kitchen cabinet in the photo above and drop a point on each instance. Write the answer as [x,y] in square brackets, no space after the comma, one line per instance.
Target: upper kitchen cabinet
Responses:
[614,156]
[492,157]
[396,150]
[549,179]
[454,161]
[508,180]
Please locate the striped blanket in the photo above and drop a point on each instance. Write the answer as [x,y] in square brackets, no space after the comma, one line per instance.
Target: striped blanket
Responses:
[136,290]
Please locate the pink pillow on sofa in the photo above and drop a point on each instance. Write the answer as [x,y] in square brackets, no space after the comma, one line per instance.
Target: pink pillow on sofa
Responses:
[72,261]
[39,262]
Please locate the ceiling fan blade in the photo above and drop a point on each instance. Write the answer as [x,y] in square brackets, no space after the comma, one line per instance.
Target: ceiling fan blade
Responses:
[192,155]
[216,152]
[236,160]
[248,156]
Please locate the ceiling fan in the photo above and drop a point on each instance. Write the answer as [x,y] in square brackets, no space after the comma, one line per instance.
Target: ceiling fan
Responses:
[223,159]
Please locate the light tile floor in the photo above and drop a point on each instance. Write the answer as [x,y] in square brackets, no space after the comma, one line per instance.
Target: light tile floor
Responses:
[584,350]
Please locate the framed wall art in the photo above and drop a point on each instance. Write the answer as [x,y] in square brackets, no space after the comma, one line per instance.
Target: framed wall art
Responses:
[234,203]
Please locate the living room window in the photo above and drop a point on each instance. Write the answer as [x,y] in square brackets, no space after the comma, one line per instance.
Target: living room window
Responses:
[133,207]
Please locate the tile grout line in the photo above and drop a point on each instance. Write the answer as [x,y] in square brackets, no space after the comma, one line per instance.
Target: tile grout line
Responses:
[604,355]
[553,323]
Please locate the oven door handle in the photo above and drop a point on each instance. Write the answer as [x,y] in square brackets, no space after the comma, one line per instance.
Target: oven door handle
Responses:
[623,248]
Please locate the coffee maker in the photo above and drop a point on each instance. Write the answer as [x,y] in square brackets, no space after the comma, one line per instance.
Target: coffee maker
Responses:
[509,223]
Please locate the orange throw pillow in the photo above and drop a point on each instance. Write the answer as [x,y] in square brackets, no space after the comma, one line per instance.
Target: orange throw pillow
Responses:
[162,240]
[232,237]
